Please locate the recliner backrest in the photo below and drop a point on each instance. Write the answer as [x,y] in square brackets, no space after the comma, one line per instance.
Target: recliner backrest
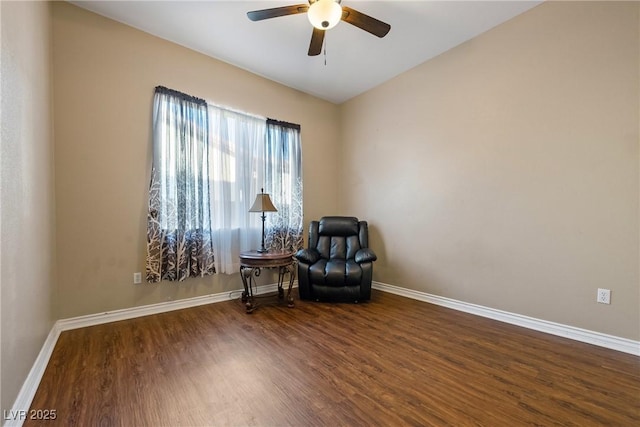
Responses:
[338,237]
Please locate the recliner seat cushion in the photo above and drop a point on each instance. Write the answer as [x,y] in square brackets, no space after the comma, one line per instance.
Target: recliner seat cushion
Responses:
[353,273]
[335,272]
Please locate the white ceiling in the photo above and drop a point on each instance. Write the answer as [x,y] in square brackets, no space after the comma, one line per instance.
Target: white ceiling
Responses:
[277,48]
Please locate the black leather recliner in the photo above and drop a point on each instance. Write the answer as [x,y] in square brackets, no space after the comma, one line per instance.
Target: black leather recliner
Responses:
[338,263]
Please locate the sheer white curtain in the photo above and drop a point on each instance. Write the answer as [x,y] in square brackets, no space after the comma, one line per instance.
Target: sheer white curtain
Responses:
[237,166]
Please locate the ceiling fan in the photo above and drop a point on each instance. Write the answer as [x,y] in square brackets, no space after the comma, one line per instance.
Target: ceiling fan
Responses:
[324,15]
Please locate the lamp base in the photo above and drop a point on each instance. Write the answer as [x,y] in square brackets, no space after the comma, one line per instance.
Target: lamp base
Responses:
[262,250]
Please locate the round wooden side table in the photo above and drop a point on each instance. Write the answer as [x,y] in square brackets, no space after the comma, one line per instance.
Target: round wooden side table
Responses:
[251,265]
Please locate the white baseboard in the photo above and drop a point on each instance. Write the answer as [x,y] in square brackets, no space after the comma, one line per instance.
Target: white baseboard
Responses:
[603,340]
[16,416]
[162,307]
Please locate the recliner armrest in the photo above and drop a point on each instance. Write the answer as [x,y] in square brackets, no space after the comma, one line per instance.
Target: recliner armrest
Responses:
[308,256]
[365,255]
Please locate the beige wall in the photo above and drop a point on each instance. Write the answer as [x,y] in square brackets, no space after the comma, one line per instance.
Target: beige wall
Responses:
[508,166]
[27,263]
[104,77]
[505,171]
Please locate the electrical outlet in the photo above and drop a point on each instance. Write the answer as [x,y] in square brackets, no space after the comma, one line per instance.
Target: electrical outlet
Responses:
[137,278]
[604,296]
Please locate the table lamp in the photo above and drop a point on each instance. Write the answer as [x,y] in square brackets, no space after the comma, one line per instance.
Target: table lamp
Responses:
[263,204]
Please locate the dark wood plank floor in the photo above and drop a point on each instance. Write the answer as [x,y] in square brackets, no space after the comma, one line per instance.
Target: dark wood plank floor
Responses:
[392,361]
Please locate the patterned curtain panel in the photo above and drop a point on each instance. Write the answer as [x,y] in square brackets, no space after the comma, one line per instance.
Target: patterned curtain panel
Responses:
[283,181]
[179,237]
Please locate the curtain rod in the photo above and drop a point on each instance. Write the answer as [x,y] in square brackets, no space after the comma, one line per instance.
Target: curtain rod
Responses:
[185,96]
[283,124]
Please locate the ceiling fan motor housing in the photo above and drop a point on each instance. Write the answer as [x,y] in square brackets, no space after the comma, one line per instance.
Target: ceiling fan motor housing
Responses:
[324,14]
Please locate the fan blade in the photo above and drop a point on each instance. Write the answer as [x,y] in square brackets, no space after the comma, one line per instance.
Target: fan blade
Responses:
[259,15]
[317,38]
[365,22]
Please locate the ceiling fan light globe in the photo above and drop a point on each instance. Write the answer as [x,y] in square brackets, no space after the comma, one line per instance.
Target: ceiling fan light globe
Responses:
[324,14]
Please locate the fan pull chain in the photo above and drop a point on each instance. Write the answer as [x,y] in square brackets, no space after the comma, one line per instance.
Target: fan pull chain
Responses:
[325,51]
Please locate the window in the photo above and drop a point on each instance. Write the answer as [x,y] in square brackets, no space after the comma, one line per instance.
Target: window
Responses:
[208,165]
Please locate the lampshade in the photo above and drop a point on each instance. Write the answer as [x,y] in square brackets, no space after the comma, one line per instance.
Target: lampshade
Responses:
[263,203]
[324,14]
